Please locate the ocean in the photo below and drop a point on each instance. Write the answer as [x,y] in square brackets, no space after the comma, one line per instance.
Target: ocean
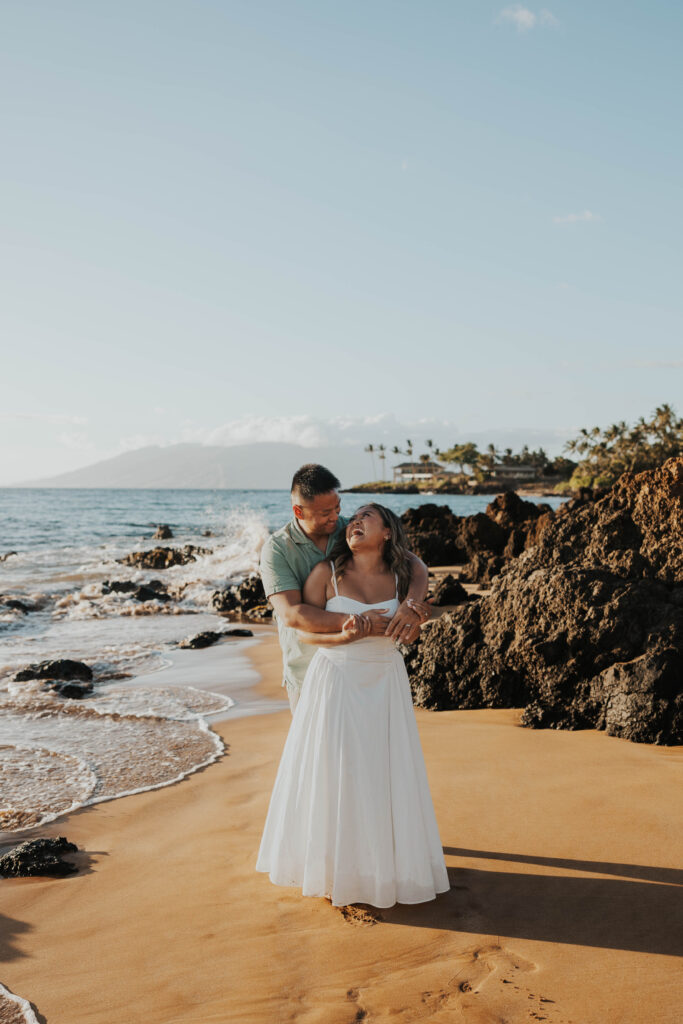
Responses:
[148,722]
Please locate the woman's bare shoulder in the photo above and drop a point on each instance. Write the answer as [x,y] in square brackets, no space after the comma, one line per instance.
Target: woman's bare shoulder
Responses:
[321,573]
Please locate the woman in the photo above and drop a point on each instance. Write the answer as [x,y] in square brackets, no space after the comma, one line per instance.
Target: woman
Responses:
[351,815]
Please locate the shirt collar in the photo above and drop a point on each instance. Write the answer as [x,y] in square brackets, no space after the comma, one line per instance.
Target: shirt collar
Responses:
[299,537]
[297,534]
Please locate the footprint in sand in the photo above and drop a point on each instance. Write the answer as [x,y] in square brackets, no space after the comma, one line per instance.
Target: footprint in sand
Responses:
[360,913]
[474,984]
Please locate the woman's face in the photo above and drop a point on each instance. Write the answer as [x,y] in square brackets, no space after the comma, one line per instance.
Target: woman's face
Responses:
[367,529]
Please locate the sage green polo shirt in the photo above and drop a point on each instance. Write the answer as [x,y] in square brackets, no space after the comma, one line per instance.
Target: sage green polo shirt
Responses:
[287,558]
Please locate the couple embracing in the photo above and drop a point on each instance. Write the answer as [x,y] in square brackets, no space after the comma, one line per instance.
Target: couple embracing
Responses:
[350,816]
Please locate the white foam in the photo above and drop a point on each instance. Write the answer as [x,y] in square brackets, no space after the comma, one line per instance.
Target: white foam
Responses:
[14,1009]
[58,754]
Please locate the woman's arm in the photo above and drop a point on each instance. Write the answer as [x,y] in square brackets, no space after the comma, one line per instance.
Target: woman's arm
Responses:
[355,627]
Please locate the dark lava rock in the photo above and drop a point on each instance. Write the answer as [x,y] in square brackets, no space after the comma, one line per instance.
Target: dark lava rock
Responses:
[260,612]
[146,593]
[162,532]
[18,606]
[241,597]
[585,627]
[432,533]
[485,541]
[119,586]
[38,857]
[69,688]
[163,558]
[152,591]
[449,591]
[61,669]
[205,639]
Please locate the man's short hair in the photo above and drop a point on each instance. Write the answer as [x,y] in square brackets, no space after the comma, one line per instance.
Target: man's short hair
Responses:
[311,480]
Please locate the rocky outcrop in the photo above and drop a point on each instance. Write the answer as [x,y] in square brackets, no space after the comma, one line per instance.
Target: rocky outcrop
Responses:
[19,605]
[162,532]
[448,591]
[64,668]
[163,558]
[484,542]
[585,628]
[209,637]
[38,857]
[247,598]
[154,590]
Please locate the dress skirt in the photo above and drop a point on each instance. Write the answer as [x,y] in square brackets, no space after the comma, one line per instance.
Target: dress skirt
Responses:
[351,816]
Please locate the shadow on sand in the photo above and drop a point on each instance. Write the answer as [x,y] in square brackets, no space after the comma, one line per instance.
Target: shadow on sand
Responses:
[641,911]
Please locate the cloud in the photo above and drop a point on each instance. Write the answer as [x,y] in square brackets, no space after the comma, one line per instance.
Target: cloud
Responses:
[77,440]
[317,432]
[134,441]
[524,19]
[574,218]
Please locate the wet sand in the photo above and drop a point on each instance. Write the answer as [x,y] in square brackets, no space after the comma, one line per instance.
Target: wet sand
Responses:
[564,857]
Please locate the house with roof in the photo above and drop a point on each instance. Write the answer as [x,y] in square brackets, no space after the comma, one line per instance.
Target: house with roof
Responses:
[411,472]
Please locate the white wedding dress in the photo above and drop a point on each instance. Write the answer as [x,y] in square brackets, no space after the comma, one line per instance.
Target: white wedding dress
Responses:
[351,816]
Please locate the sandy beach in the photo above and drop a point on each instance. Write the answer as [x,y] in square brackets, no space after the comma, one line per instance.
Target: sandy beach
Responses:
[563,855]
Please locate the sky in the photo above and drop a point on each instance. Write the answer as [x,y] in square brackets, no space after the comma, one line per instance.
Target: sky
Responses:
[241,221]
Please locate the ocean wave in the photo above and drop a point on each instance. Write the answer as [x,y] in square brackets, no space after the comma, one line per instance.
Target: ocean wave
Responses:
[14,1009]
[57,755]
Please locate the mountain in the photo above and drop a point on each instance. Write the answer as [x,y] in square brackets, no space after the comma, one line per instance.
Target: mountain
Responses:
[268,465]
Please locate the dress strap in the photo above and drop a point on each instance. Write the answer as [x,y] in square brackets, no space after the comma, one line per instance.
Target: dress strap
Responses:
[396,578]
[334,579]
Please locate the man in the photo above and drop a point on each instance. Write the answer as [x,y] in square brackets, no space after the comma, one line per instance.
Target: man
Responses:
[287,559]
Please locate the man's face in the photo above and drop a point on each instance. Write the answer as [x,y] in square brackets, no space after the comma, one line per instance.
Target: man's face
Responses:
[318,516]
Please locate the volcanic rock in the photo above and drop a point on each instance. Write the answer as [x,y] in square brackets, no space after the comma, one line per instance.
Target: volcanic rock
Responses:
[18,606]
[163,558]
[152,591]
[205,639]
[485,541]
[38,857]
[241,597]
[63,668]
[162,532]
[585,627]
[69,688]
[449,591]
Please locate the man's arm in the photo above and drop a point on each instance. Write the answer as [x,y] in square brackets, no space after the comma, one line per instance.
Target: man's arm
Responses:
[291,610]
[413,611]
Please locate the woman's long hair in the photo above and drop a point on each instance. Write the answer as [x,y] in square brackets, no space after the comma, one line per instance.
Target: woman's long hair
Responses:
[394,553]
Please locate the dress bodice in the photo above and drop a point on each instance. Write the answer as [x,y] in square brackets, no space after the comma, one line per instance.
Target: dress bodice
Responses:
[369,648]
[339,603]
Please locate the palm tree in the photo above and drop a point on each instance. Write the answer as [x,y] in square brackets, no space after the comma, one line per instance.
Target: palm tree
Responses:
[396,451]
[382,457]
[371,449]
[409,453]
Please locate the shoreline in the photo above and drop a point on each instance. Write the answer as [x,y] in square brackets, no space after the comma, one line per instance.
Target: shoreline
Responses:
[563,903]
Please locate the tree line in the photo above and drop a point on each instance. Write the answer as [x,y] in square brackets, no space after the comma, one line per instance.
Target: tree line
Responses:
[603,453]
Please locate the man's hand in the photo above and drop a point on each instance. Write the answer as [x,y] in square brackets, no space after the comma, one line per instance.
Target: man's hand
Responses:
[405,625]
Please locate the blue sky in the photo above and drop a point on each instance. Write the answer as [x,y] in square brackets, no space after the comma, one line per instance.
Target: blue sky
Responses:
[242,221]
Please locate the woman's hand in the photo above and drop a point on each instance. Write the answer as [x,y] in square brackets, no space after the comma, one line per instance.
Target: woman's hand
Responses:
[355,628]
